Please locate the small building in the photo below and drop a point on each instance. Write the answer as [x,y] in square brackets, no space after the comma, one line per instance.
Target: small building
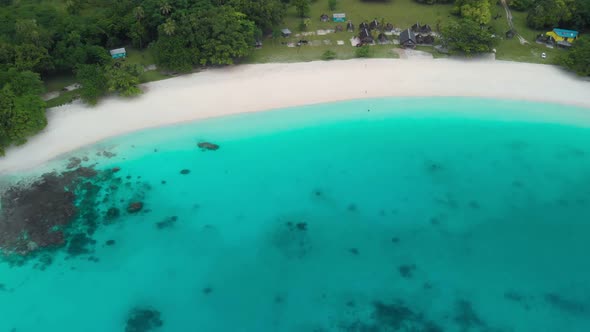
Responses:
[562,35]
[366,37]
[363,25]
[339,17]
[118,53]
[407,39]
[374,24]
[425,29]
[424,39]
[286,32]
[324,18]
[416,27]
[349,26]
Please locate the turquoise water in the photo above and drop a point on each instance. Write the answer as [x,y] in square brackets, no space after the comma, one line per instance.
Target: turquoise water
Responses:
[439,214]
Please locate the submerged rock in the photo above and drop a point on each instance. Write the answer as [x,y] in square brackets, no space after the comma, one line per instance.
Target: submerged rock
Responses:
[399,317]
[135,207]
[79,244]
[143,320]
[113,213]
[185,171]
[566,304]
[74,162]
[407,271]
[466,317]
[208,146]
[167,223]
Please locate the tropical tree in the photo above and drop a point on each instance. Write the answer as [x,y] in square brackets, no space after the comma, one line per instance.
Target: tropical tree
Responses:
[93,81]
[475,10]
[578,57]
[302,7]
[73,7]
[467,36]
[165,8]
[332,4]
[138,13]
[548,13]
[169,27]
[264,13]
[123,79]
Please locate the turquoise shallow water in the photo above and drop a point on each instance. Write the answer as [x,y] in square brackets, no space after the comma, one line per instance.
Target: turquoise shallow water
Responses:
[439,214]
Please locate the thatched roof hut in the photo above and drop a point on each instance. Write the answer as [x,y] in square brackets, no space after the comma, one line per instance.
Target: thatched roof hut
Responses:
[426,29]
[363,25]
[416,27]
[365,36]
[426,39]
[407,39]
[349,26]
[382,38]
[389,27]
[374,24]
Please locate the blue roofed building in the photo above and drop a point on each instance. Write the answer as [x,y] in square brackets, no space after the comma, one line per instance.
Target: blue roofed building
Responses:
[562,37]
[118,53]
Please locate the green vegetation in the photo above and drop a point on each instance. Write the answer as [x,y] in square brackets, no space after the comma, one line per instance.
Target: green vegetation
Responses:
[332,4]
[63,98]
[474,10]
[22,111]
[329,55]
[578,58]
[467,36]
[363,51]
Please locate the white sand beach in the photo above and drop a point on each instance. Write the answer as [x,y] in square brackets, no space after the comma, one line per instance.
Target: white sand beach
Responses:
[251,88]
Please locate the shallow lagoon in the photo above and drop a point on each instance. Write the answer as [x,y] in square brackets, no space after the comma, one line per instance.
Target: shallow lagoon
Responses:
[439,214]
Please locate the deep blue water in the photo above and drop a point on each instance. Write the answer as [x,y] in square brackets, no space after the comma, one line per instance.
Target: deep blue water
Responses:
[432,214]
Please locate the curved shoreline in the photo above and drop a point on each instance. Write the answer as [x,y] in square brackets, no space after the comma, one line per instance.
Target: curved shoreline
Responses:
[253,88]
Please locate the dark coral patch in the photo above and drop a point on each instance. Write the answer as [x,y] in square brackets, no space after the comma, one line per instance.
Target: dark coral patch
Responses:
[167,223]
[143,320]
[407,271]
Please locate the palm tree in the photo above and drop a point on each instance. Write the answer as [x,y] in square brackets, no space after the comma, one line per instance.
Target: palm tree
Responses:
[165,8]
[138,13]
[169,27]
[72,6]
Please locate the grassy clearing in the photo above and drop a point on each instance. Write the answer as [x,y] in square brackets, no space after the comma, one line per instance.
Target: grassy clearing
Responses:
[139,57]
[400,13]
[64,98]
[511,49]
[57,83]
[282,53]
